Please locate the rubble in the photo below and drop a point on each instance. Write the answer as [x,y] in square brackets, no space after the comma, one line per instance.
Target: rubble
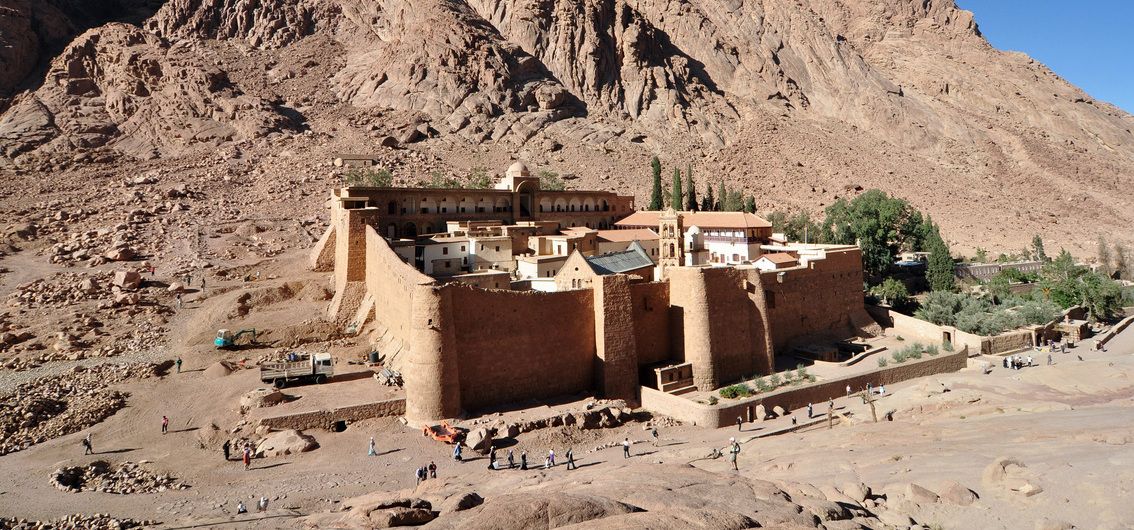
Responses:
[55,406]
[101,476]
[76,522]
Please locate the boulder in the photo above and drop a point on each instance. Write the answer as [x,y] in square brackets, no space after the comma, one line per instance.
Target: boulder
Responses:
[824,509]
[461,501]
[857,491]
[120,254]
[398,516]
[388,141]
[127,299]
[955,493]
[920,495]
[176,287]
[259,398]
[778,411]
[127,280]
[286,442]
[1010,476]
[479,440]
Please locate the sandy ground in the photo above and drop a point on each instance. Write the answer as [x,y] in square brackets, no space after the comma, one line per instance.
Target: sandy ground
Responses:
[1069,422]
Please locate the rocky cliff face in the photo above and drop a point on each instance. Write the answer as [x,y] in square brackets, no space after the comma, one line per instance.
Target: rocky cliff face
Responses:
[833,94]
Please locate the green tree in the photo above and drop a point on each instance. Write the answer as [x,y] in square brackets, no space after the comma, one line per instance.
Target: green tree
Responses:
[750,204]
[981,255]
[880,224]
[892,292]
[722,198]
[1120,264]
[1037,248]
[1060,278]
[1101,296]
[550,181]
[939,269]
[690,190]
[1104,257]
[1000,287]
[707,203]
[656,202]
[677,196]
[940,307]
[479,178]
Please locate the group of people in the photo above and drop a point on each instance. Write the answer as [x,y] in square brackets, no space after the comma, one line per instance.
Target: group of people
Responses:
[1017,362]
[548,462]
[426,472]
[261,506]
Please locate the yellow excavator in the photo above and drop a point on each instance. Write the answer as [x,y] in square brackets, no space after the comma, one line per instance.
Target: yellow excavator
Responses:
[226,339]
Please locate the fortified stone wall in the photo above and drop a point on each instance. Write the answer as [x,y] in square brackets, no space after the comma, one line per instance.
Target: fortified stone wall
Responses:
[391,283]
[721,317]
[824,299]
[650,302]
[324,419]
[519,345]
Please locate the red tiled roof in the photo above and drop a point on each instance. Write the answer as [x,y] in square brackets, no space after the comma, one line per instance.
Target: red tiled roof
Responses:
[700,219]
[628,234]
[780,258]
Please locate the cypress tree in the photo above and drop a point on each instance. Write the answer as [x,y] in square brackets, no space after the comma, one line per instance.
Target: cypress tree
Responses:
[722,199]
[690,190]
[656,195]
[707,203]
[939,269]
[677,197]
[750,204]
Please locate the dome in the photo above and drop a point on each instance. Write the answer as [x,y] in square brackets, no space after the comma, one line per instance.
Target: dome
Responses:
[518,169]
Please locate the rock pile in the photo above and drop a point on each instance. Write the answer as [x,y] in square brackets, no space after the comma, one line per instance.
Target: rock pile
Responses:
[51,407]
[124,479]
[75,522]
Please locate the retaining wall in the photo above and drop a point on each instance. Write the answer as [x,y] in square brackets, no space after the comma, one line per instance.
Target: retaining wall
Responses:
[791,398]
[325,419]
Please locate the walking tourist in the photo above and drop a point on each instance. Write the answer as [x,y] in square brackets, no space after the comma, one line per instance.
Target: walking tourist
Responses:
[739,423]
[457,452]
[432,469]
[654,435]
[551,456]
[372,452]
[240,508]
[420,474]
[164,424]
[491,457]
[263,506]
[732,452]
[88,448]
[247,458]
[523,460]
[227,448]
[571,458]
[626,448]
[178,364]
[810,411]
[511,460]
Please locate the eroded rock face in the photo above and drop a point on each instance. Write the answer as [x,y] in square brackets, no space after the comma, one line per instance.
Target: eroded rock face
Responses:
[286,442]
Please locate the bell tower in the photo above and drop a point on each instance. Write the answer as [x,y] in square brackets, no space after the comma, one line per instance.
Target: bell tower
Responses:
[670,249]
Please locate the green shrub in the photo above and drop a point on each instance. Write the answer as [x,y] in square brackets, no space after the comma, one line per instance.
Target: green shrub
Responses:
[713,400]
[810,378]
[762,385]
[947,346]
[736,391]
[775,380]
[882,362]
[932,350]
[899,356]
[914,351]
[900,339]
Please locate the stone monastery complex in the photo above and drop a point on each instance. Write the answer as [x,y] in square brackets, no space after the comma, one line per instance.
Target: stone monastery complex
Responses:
[488,297]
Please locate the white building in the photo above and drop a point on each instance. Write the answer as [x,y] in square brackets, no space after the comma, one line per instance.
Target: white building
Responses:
[725,238]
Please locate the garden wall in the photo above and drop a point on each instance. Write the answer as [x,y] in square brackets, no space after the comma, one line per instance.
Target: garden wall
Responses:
[324,419]
[791,398]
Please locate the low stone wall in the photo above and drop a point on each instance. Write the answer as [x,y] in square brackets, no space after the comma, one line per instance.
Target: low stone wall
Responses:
[1118,328]
[916,329]
[325,419]
[791,398]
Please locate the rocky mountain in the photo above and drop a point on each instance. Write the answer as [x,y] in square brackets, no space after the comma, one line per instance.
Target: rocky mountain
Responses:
[798,102]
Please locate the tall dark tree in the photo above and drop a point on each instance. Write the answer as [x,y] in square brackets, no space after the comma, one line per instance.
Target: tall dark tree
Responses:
[1104,257]
[676,195]
[1120,264]
[707,203]
[939,269]
[722,198]
[656,201]
[750,204]
[690,190]
[1037,248]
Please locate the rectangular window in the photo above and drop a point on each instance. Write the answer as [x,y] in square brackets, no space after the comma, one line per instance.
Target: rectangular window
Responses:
[444,210]
[462,248]
[770,299]
[444,251]
[498,248]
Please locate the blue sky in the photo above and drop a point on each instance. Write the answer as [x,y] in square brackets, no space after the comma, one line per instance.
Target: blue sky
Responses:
[1087,42]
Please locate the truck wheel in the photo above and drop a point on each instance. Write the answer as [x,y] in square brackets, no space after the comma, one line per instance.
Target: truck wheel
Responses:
[279,382]
[320,379]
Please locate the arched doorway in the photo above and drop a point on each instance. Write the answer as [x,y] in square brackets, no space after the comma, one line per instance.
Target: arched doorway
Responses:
[409,230]
[527,199]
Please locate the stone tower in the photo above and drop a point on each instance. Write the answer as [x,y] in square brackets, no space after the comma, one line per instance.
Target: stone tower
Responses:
[670,249]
